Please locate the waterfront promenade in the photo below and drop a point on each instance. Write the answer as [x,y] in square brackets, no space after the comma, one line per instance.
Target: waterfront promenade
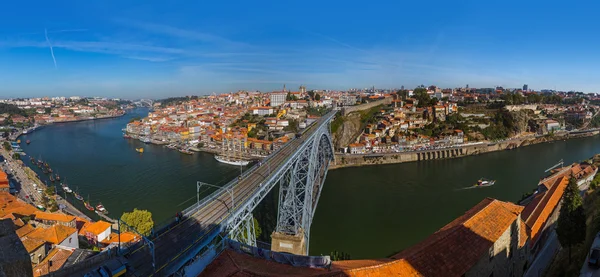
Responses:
[27,191]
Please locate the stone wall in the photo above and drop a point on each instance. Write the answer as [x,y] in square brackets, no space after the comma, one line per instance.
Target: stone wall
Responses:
[349,109]
[14,259]
[344,160]
[504,258]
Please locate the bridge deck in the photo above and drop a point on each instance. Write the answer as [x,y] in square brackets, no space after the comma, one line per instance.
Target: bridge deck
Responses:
[175,244]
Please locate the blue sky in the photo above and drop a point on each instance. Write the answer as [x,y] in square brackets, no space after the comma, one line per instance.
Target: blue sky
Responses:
[155,49]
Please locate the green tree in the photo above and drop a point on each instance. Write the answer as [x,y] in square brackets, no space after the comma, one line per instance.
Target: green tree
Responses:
[16,156]
[571,224]
[47,110]
[257,230]
[339,256]
[317,97]
[140,220]
[200,144]
[403,94]
[7,146]
[424,100]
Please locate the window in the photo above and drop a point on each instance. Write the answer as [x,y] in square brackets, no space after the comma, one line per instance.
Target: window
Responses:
[70,240]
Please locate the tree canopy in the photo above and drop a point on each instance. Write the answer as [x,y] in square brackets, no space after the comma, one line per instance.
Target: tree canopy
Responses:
[571,225]
[140,220]
[424,100]
[11,109]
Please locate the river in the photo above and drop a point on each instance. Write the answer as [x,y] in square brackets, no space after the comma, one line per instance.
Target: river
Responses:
[367,212]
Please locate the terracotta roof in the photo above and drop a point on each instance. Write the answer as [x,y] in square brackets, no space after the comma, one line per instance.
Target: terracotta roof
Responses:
[539,210]
[39,215]
[455,248]
[24,230]
[31,244]
[10,204]
[58,256]
[125,238]
[233,264]
[96,228]
[55,234]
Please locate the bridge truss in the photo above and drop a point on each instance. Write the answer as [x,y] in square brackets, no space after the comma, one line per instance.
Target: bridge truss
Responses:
[301,179]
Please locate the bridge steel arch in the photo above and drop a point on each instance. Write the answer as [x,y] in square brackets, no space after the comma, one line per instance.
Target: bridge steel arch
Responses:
[300,191]
[301,177]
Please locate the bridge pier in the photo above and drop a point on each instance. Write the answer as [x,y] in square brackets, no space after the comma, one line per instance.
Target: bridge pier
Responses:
[294,244]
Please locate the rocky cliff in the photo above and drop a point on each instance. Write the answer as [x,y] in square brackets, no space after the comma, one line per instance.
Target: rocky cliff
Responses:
[347,131]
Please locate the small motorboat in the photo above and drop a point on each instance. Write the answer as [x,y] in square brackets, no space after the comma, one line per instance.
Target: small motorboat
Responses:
[67,189]
[140,150]
[100,208]
[482,183]
[28,141]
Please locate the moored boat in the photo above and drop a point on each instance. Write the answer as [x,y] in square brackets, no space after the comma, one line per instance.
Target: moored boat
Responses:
[100,208]
[28,141]
[88,206]
[51,178]
[140,150]
[77,196]
[126,136]
[57,177]
[185,151]
[230,161]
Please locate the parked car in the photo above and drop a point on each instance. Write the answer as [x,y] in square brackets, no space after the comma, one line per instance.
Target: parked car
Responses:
[594,259]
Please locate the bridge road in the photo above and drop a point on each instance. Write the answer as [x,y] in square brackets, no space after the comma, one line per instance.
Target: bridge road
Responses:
[174,243]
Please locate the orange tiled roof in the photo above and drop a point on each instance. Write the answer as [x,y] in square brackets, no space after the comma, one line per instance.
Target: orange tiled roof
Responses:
[31,244]
[39,215]
[58,256]
[10,204]
[24,230]
[233,264]
[539,210]
[55,234]
[125,238]
[457,247]
[96,228]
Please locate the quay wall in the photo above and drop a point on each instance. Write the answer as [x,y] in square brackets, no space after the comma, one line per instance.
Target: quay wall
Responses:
[353,160]
[366,106]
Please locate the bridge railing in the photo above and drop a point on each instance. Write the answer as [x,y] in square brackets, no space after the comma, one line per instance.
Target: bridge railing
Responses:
[195,207]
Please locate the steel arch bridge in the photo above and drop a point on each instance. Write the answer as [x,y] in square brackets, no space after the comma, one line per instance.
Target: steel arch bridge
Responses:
[299,168]
[301,179]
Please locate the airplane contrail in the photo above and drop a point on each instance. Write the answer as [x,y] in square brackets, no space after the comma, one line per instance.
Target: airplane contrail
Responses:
[51,50]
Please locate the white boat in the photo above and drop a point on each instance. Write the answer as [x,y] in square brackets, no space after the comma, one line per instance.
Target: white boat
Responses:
[67,189]
[230,161]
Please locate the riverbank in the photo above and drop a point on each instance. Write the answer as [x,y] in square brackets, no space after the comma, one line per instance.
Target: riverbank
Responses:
[30,130]
[26,178]
[358,160]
